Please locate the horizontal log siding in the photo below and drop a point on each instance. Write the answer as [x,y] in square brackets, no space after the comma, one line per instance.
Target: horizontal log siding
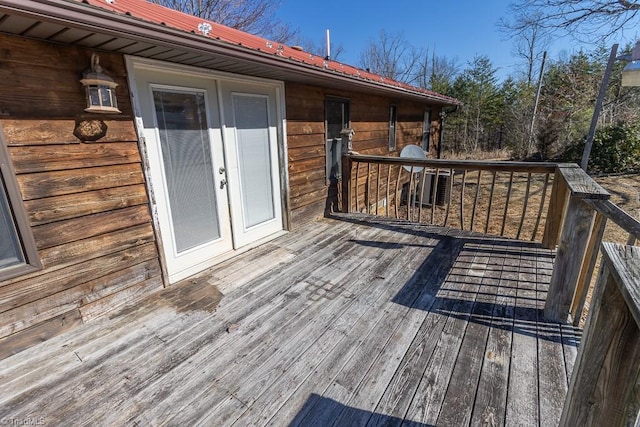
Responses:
[86,202]
[306,139]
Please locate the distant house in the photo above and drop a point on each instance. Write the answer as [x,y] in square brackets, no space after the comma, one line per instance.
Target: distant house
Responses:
[224,141]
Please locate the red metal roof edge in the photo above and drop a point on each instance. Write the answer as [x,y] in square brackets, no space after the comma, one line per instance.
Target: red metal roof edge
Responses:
[160,15]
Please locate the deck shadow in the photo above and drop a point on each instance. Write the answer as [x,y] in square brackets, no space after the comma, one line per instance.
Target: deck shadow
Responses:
[319,410]
[519,320]
[507,245]
[435,270]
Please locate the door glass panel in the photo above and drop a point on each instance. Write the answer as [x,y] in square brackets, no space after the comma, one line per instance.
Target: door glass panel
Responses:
[10,248]
[252,134]
[188,167]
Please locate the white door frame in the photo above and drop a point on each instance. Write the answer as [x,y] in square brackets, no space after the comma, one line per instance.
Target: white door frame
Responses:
[135,63]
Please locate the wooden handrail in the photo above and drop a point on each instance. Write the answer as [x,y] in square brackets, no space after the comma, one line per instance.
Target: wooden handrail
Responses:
[608,365]
[500,166]
[580,184]
[605,381]
[614,213]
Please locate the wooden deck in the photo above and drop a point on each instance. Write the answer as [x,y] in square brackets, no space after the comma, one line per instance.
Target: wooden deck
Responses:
[352,321]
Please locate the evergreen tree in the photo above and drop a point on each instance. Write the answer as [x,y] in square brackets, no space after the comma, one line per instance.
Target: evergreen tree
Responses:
[478,124]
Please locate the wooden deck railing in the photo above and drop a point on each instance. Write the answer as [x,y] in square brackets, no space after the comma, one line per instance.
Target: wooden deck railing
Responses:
[510,199]
[501,198]
[556,204]
[588,209]
[605,387]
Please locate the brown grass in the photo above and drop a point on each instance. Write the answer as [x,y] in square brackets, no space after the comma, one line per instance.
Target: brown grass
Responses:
[524,218]
[477,155]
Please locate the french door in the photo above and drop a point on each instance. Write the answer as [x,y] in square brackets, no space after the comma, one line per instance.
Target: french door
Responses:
[212,149]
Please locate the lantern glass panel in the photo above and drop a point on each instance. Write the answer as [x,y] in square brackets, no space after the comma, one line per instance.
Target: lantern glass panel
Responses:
[105,96]
[94,95]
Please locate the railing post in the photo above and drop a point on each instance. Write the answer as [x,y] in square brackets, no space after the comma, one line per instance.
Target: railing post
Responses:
[574,240]
[588,267]
[569,258]
[557,206]
[604,383]
[345,196]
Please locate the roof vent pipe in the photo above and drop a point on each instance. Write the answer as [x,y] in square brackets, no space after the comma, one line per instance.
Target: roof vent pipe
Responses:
[328,46]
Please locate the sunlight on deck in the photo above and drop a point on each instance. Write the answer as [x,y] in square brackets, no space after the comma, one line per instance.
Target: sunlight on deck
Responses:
[354,320]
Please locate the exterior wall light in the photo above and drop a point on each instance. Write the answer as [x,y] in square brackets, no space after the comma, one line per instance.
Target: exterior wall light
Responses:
[100,90]
[631,72]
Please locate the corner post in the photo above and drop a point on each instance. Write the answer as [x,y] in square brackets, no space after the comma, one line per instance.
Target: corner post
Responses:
[557,206]
[574,240]
[345,186]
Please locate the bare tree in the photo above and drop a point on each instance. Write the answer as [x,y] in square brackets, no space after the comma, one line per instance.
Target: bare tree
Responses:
[530,38]
[436,72]
[391,56]
[582,17]
[252,16]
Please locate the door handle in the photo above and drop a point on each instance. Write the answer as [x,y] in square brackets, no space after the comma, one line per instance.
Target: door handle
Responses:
[223,182]
[221,170]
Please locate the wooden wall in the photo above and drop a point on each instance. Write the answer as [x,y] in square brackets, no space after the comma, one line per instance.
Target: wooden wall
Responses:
[369,116]
[86,201]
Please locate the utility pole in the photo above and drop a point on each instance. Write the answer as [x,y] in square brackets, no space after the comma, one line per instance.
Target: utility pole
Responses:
[535,103]
[596,111]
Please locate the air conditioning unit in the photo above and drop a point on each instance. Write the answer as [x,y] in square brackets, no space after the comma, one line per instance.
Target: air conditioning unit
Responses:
[443,189]
[425,191]
[445,184]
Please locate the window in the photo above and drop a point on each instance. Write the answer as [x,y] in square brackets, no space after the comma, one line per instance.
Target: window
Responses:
[18,253]
[426,130]
[393,121]
[337,118]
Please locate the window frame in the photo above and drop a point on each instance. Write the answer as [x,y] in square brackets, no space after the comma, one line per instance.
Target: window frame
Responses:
[20,218]
[328,159]
[393,127]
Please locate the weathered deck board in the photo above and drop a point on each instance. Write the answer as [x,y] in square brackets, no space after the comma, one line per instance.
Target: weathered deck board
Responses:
[333,337]
[401,388]
[458,405]
[522,398]
[491,395]
[354,321]
[552,374]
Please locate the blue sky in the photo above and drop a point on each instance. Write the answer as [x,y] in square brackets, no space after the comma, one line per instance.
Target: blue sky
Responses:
[456,29]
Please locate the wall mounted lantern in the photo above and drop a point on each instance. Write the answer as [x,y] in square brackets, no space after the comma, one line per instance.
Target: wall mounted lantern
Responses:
[100,90]
[631,72]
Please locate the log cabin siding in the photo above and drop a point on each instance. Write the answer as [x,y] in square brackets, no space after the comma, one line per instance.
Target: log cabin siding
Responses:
[369,115]
[86,201]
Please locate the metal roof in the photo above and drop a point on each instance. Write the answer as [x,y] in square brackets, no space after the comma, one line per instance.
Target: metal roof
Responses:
[141,28]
